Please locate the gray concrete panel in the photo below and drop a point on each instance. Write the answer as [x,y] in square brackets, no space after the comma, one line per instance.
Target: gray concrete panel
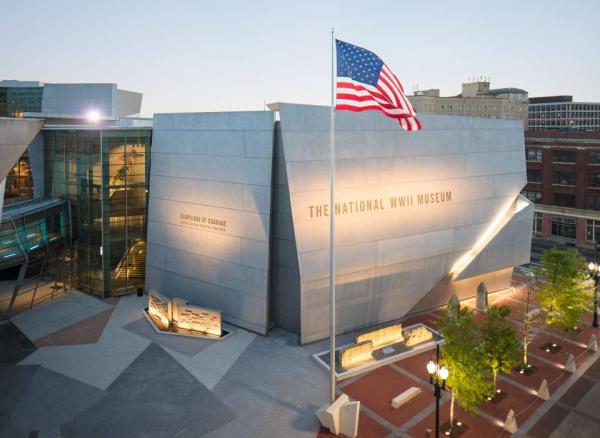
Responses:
[410,206]
[209,215]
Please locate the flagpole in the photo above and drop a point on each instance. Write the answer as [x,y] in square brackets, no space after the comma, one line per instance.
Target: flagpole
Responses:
[332,230]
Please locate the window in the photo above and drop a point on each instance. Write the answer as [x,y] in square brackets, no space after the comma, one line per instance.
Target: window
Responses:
[563,227]
[533,154]
[534,175]
[537,222]
[593,203]
[594,179]
[593,231]
[533,196]
[563,156]
[564,200]
[594,157]
[564,178]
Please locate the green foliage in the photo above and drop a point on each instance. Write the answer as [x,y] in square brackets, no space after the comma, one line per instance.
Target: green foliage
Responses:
[565,291]
[463,355]
[501,346]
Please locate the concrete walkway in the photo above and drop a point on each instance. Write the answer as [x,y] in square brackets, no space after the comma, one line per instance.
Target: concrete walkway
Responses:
[80,367]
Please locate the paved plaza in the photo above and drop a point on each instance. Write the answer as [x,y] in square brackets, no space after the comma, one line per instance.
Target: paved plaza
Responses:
[80,367]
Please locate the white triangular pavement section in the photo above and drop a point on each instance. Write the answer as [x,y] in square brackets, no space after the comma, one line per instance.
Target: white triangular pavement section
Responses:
[101,363]
[210,365]
[57,314]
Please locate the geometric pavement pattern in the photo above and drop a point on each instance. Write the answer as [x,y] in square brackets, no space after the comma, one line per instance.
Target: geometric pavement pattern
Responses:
[107,373]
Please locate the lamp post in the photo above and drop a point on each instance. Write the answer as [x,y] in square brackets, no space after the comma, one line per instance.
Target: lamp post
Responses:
[594,272]
[437,377]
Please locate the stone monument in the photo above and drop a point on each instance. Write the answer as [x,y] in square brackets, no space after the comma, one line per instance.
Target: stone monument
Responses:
[481,304]
[543,391]
[417,336]
[454,302]
[570,365]
[510,424]
[341,416]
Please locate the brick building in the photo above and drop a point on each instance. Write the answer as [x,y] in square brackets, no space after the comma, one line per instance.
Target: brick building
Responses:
[563,179]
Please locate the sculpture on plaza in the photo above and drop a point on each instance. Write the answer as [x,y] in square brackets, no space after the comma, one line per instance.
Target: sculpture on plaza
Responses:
[178,316]
[481,302]
[417,335]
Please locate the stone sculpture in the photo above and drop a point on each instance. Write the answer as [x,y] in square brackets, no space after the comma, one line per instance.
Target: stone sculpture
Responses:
[510,424]
[341,416]
[173,314]
[481,303]
[543,391]
[383,336]
[570,365]
[417,335]
[356,354]
[454,301]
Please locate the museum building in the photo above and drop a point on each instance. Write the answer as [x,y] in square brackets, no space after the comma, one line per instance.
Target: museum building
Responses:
[230,210]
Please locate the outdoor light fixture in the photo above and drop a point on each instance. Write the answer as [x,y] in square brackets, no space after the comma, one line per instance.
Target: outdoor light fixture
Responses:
[93,116]
[594,269]
[437,377]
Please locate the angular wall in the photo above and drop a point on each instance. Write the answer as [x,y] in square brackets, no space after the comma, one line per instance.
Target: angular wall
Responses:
[80,99]
[209,212]
[15,135]
[411,206]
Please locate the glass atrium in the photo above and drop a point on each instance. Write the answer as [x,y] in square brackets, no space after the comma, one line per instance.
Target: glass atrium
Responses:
[104,173]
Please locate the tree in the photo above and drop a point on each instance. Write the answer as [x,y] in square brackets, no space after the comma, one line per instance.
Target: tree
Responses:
[501,346]
[463,356]
[531,320]
[565,291]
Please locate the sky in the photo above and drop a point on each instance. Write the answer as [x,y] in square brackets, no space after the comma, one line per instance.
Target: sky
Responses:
[235,55]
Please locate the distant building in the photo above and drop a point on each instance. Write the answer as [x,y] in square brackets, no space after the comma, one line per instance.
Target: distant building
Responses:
[560,113]
[563,180]
[19,97]
[476,100]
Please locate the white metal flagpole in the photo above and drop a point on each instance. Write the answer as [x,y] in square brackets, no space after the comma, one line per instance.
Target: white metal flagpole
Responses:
[332,229]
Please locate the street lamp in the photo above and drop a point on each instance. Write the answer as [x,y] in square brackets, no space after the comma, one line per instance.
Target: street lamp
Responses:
[594,272]
[437,377]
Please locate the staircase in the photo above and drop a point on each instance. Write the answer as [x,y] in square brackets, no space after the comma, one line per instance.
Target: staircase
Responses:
[133,263]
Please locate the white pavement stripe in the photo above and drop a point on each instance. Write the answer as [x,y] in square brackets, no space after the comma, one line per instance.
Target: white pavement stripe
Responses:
[66,310]
[101,363]
[210,365]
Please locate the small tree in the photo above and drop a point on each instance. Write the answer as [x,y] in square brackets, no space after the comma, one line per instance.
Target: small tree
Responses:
[501,346]
[565,291]
[463,356]
[531,320]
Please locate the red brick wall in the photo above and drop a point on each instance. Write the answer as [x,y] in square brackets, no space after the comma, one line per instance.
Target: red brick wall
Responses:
[546,225]
[581,230]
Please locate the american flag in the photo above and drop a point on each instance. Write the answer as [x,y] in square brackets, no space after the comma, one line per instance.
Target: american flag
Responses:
[364,83]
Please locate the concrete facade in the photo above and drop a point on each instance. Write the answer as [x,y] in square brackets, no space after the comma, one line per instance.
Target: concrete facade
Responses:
[79,99]
[15,135]
[210,211]
[419,216]
[391,258]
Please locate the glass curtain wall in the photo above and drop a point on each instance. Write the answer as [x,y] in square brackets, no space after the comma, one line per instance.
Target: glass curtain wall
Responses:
[14,101]
[104,173]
